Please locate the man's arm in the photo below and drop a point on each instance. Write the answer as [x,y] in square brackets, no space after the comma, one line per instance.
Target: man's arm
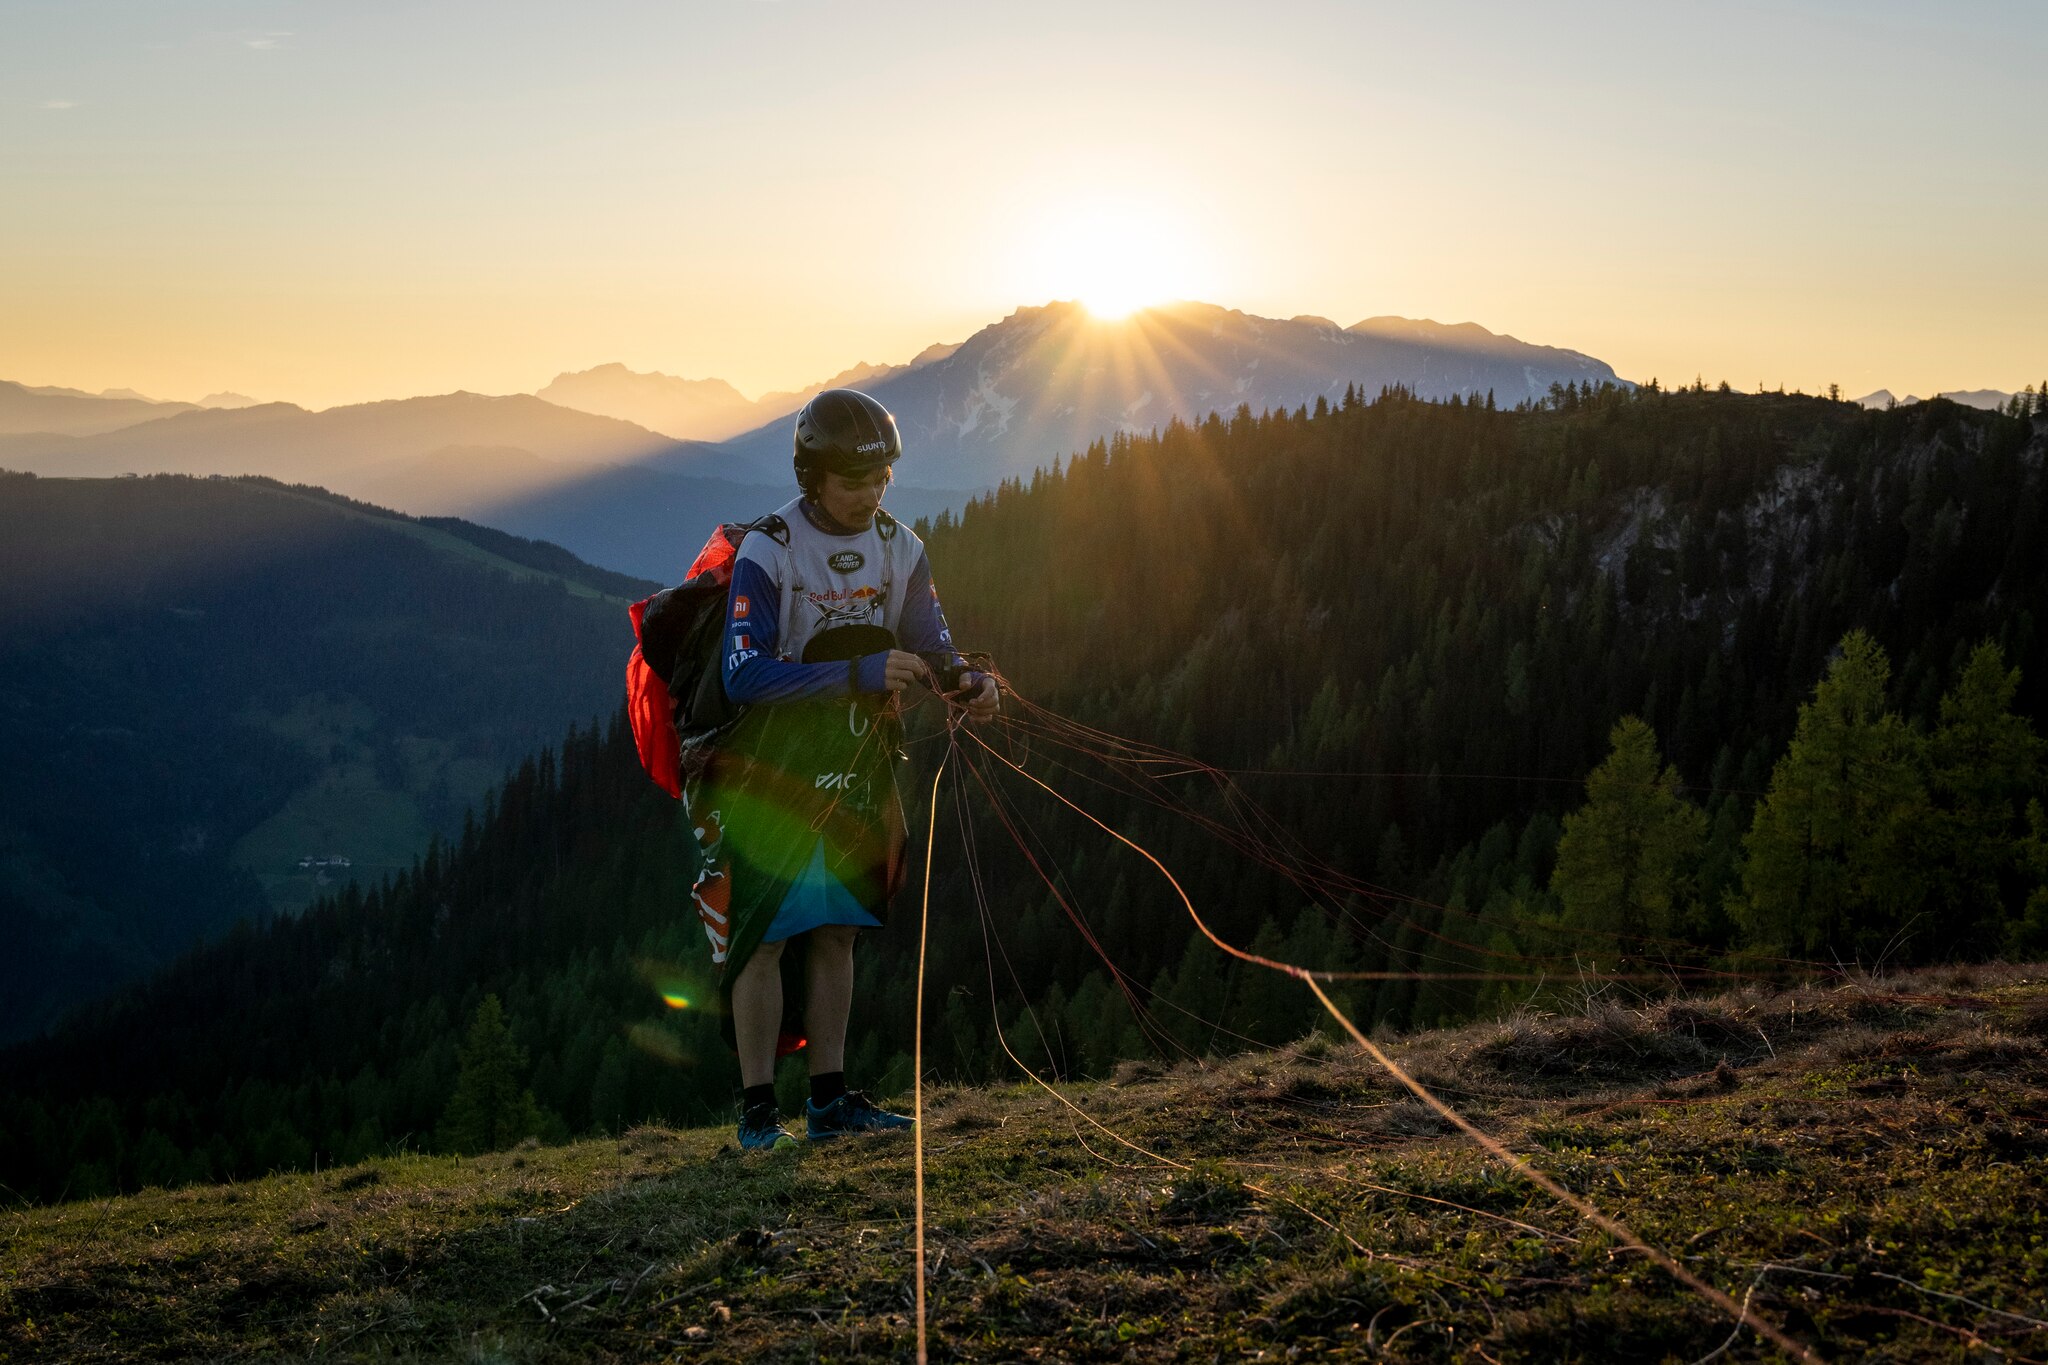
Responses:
[922,627]
[925,633]
[751,670]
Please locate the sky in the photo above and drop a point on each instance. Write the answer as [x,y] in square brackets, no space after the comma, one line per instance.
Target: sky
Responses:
[341,202]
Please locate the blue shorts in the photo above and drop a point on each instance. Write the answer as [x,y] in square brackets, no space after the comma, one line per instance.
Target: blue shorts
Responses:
[816,897]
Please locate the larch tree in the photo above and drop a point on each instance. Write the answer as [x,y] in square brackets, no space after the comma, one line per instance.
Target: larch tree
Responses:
[1984,761]
[491,1107]
[1829,866]
[1627,859]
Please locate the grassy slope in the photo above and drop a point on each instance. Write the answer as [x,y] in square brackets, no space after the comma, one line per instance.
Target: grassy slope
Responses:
[1857,1135]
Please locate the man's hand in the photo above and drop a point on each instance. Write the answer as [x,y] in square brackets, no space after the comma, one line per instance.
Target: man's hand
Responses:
[903,668]
[981,700]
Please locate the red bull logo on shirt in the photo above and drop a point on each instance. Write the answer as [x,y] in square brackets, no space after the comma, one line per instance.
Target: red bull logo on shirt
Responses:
[847,606]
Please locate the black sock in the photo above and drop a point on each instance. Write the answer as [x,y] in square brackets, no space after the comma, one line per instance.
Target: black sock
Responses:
[755,1095]
[827,1086]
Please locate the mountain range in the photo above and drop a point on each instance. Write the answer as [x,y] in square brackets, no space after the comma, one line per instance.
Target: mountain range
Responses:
[595,462]
[514,461]
[26,408]
[1045,381]
[1989,400]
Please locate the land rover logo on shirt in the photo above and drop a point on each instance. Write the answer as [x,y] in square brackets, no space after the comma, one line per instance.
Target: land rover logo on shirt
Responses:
[847,561]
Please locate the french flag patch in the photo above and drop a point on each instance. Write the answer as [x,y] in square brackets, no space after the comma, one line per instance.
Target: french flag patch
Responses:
[742,641]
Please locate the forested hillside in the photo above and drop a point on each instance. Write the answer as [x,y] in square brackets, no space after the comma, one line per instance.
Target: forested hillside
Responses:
[1409,628]
[212,690]
[1460,603]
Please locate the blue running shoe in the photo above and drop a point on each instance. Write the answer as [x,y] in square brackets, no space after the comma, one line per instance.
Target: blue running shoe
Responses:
[761,1130]
[851,1113]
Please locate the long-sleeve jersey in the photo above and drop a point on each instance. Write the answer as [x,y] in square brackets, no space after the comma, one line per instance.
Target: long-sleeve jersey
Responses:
[783,596]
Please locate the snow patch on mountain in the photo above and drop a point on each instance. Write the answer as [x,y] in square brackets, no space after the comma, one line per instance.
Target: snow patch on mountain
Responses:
[987,399]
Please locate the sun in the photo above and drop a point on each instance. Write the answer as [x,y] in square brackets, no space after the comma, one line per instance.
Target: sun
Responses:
[1114,258]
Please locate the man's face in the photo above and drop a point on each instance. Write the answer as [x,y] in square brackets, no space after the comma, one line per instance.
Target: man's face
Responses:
[851,500]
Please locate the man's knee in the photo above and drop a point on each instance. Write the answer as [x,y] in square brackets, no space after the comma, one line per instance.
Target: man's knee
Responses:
[835,936]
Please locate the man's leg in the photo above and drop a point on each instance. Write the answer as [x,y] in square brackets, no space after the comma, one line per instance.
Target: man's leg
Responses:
[757,1014]
[834,1110]
[830,977]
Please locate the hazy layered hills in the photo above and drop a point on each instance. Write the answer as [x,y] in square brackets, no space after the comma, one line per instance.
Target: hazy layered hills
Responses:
[210,689]
[703,409]
[1990,400]
[611,492]
[706,409]
[601,478]
[598,485]
[348,447]
[73,412]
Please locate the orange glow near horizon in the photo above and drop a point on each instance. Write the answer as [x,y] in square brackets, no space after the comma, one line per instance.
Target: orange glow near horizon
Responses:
[389,202]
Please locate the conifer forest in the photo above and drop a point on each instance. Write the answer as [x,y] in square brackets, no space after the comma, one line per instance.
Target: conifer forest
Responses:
[1628,690]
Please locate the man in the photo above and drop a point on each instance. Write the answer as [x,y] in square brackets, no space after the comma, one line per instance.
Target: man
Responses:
[831,613]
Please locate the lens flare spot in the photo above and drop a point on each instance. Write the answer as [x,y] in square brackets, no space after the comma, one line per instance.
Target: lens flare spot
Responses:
[657,1043]
[675,986]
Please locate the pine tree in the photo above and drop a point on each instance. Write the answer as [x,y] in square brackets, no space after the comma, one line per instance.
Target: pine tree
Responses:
[1983,761]
[491,1107]
[1628,857]
[1830,867]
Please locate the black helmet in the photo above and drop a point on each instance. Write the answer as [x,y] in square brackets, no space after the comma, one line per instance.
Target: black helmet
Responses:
[842,431]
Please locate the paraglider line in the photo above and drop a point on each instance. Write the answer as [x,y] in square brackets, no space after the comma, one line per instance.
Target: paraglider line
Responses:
[1613,1227]
[924,919]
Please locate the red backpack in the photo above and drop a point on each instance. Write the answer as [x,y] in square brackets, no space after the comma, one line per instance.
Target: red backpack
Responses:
[675,692]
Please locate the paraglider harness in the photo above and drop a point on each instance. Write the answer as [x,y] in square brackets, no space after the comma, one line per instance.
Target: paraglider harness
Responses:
[675,691]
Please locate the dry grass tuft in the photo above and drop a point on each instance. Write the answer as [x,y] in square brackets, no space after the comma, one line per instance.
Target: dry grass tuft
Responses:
[969,1115]
[1413,1118]
[1607,1042]
[1135,1073]
[647,1138]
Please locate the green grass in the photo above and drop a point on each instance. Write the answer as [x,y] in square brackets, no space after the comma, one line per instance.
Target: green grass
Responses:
[343,809]
[346,808]
[1869,1165]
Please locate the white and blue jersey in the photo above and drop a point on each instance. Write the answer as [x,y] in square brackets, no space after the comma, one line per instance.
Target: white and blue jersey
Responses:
[784,596]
